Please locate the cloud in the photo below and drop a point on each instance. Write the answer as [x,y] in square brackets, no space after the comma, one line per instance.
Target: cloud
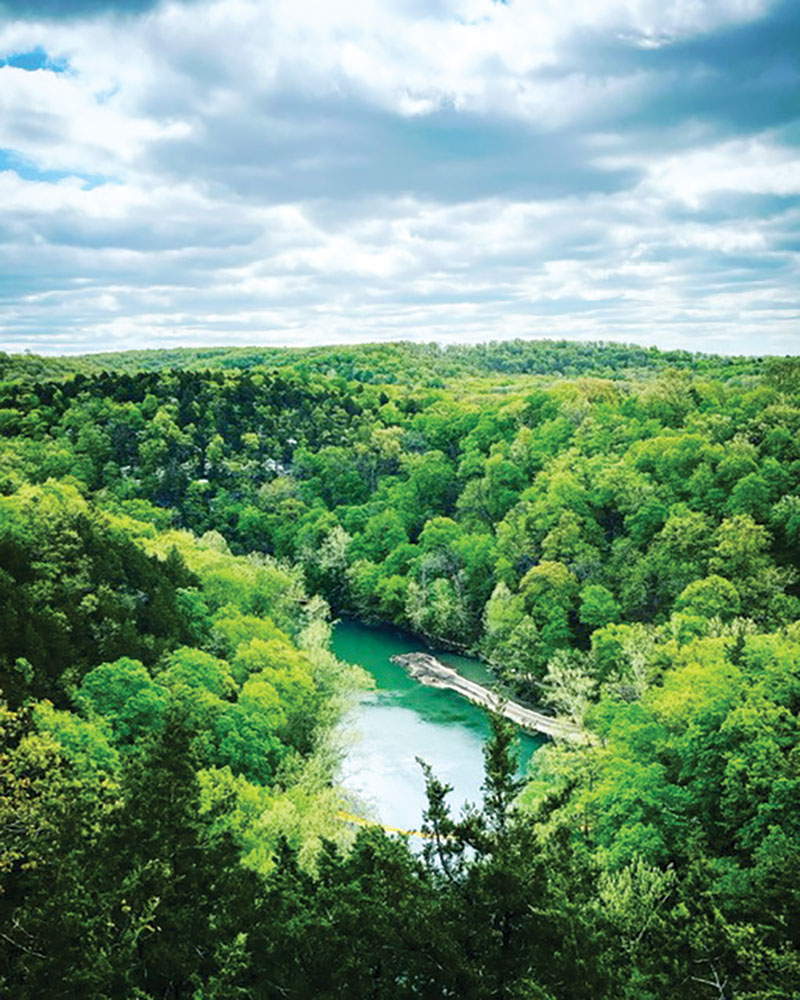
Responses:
[243,172]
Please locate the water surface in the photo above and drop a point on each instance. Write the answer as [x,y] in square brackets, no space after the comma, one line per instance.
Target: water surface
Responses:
[403,719]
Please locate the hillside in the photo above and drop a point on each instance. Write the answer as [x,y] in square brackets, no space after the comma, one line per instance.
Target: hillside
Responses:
[402,362]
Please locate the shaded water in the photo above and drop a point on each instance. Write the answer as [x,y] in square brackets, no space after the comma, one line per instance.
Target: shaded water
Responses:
[403,719]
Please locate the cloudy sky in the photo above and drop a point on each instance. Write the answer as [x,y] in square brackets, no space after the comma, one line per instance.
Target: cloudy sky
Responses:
[316,171]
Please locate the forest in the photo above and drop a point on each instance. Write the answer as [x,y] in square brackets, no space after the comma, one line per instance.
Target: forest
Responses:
[615,530]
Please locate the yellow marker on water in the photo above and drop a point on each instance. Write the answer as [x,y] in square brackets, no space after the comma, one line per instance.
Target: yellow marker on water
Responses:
[361,821]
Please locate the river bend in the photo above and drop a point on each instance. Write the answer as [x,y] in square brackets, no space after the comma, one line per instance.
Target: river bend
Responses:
[403,719]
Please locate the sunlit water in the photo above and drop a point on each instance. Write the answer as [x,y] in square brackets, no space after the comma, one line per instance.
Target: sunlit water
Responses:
[402,720]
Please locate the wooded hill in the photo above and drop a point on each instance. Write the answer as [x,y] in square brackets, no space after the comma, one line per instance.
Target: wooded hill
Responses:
[405,363]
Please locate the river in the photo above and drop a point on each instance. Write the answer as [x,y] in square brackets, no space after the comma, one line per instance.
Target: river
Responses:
[403,719]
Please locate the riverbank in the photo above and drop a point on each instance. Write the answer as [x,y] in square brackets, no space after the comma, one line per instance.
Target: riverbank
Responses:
[428,670]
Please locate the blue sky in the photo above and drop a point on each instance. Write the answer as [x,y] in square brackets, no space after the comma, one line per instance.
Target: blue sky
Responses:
[300,171]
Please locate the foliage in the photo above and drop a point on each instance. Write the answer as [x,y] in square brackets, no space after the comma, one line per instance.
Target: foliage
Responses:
[616,530]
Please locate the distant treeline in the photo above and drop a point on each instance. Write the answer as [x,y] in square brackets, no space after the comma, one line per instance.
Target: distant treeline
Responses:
[401,363]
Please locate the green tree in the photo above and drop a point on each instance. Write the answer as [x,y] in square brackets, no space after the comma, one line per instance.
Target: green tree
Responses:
[598,606]
[713,596]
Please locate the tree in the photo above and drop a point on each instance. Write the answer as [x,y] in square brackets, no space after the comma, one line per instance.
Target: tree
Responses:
[713,596]
[598,606]
[124,694]
[170,870]
[549,592]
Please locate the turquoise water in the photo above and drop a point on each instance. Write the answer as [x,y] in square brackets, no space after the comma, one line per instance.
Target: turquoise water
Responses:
[403,719]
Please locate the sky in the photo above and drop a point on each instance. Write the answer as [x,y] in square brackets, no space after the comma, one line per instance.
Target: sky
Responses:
[312,171]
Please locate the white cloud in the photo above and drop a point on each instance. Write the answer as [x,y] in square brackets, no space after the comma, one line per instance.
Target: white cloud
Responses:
[750,166]
[300,170]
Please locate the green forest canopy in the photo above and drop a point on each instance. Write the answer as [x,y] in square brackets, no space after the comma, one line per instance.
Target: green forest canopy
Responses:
[616,530]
